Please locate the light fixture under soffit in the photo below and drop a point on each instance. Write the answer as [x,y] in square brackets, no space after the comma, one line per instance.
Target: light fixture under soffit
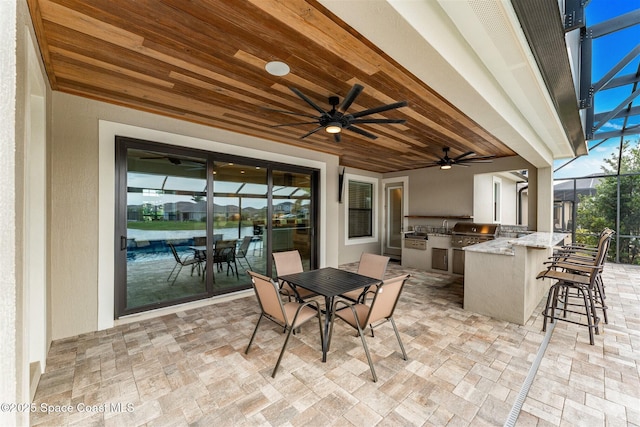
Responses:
[277,68]
[333,127]
[445,167]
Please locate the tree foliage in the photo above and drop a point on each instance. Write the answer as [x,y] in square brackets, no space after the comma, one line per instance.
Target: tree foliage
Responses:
[600,210]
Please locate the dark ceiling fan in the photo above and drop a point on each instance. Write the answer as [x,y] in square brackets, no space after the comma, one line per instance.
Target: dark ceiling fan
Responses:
[447,162]
[336,119]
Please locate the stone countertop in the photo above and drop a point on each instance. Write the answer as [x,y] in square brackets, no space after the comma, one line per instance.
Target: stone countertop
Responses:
[499,246]
[504,245]
[540,240]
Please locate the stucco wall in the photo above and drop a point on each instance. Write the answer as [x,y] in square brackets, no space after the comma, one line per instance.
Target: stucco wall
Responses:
[436,192]
[77,161]
[483,199]
[8,350]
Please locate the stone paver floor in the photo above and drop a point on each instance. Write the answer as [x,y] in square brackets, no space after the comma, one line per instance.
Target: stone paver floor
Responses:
[189,368]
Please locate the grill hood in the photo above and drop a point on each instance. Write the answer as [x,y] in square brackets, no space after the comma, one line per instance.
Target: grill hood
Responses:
[475,229]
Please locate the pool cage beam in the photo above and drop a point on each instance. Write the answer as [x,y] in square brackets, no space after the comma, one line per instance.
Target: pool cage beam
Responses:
[588,89]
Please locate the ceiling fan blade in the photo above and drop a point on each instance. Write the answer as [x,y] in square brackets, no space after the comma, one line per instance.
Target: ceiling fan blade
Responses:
[351,96]
[311,132]
[461,156]
[336,137]
[379,121]
[379,109]
[294,124]
[308,100]
[459,164]
[289,112]
[361,132]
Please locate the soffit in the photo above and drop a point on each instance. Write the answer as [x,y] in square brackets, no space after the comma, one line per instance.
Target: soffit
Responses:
[203,61]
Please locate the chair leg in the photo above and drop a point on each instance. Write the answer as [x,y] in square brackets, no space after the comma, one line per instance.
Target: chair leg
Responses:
[551,302]
[599,295]
[177,273]
[565,299]
[236,266]
[594,313]
[284,346]
[253,335]
[172,270]
[333,318]
[366,351]
[588,314]
[321,333]
[245,260]
[393,323]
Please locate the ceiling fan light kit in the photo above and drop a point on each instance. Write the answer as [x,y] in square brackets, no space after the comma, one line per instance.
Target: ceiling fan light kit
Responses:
[333,127]
[336,120]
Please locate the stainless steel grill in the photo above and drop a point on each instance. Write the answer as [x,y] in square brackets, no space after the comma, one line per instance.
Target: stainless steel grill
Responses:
[469,233]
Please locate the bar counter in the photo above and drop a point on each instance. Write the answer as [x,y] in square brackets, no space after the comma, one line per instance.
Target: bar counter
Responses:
[500,275]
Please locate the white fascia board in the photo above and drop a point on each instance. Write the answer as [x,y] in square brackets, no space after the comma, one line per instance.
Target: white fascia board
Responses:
[493,31]
[423,38]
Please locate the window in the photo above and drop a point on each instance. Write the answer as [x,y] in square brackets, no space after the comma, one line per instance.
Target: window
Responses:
[361,212]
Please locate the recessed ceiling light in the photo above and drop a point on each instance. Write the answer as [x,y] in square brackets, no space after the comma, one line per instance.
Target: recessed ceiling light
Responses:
[277,68]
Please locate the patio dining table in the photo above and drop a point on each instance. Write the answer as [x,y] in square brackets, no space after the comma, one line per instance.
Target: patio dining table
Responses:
[201,251]
[328,282]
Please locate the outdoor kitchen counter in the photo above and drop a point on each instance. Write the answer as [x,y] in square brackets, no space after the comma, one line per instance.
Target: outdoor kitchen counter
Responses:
[505,245]
[500,275]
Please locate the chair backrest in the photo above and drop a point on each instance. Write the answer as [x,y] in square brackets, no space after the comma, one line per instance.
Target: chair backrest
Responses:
[244,246]
[603,246]
[175,253]
[217,238]
[226,250]
[372,265]
[268,297]
[199,241]
[288,262]
[385,300]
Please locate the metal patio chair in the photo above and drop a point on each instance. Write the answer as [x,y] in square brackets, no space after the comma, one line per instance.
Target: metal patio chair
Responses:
[359,315]
[291,315]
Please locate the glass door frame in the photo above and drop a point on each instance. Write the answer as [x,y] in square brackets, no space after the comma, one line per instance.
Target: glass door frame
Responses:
[120,227]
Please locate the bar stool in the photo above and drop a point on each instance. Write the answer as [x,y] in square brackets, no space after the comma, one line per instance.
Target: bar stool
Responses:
[579,288]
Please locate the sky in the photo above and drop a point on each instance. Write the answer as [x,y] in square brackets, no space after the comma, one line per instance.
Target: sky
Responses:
[608,50]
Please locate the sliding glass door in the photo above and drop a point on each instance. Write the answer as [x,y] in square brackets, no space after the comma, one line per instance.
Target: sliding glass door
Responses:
[165,204]
[240,205]
[291,218]
[178,241]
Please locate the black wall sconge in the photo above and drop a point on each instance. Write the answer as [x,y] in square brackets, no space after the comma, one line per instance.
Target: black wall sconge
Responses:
[340,185]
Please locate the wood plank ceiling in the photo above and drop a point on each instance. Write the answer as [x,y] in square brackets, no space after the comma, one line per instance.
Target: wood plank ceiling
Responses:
[204,61]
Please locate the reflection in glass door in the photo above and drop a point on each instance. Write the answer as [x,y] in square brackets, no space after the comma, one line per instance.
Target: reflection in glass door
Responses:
[292,215]
[166,209]
[239,219]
